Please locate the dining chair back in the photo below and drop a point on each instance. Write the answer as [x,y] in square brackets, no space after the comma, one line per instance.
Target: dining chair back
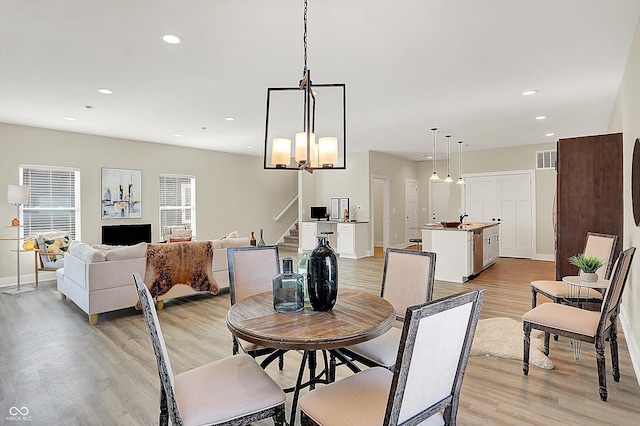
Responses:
[602,246]
[426,382]
[251,270]
[249,394]
[407,278]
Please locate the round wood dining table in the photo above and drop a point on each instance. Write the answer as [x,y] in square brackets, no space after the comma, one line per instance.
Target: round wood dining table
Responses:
[356,317]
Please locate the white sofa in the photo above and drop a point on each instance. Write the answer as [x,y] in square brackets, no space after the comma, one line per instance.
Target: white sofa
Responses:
[101,280]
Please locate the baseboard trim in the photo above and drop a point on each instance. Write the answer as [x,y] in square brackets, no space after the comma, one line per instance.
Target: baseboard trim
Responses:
[632,344]
[546,257]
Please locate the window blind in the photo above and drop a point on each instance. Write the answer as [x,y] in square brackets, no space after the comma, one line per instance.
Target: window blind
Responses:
[54,200]
[177,201]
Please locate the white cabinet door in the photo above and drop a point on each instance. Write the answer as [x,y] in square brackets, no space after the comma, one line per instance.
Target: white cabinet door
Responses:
[346,239]
[308,233]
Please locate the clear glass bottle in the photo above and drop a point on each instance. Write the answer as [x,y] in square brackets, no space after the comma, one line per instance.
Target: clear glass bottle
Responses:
[302,270]
[288,293]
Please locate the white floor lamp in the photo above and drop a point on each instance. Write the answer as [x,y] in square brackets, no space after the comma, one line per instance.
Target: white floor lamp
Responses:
[18,194]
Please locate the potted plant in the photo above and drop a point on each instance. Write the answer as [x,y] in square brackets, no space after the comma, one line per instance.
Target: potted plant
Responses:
[588,266]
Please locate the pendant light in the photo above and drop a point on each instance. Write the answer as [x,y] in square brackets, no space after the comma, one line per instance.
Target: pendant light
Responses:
[310,153]
[434,176]
[460,179]
[448,178]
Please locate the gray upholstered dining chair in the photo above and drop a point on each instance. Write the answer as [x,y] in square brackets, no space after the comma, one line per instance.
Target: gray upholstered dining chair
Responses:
[244,392]
[251,269]
[407,280]
[431,361]
[603,247]
[583,325]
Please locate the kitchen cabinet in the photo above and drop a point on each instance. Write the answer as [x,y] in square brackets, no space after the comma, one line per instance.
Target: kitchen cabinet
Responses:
[456,249]
[349,239]
[490,246]
[353,239]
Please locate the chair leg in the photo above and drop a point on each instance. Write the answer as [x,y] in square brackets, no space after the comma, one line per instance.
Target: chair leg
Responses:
[164,409]
[613,343]
[602,374]
[526,327]
[278,419]
[235,347]
[546,343]
[281,362]
[534,298]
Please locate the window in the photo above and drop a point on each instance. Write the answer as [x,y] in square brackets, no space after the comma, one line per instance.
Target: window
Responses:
[54,200]
[178,201]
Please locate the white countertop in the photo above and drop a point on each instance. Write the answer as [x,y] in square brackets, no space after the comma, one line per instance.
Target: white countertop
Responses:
[471,226]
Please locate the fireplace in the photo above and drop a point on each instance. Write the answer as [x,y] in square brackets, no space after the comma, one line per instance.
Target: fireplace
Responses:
[126,235]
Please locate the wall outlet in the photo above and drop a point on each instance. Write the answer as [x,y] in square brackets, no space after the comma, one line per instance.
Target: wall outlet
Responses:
[393,210]
[424,210]
[396,235]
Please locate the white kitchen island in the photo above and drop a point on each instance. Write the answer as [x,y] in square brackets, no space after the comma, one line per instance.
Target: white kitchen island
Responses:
[463,251]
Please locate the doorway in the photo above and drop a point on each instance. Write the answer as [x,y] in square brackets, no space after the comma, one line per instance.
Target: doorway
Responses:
[439,196]
[380,212]
[411,210]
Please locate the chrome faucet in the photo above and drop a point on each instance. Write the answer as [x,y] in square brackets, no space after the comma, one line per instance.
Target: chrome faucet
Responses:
[462,216]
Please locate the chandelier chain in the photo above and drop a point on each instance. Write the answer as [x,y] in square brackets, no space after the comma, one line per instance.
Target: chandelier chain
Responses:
[304,39]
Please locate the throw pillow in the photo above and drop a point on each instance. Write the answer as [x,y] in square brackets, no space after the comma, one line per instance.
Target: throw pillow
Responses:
[129,252]
[53,245]
[86,253]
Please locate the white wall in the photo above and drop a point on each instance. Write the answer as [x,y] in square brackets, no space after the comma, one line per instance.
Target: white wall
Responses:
[626,118]
[233,191]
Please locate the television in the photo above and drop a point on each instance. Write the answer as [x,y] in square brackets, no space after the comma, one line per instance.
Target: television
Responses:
[126,235]
[318,212]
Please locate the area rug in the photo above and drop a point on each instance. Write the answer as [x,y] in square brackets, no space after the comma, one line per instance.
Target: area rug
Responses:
[504,338]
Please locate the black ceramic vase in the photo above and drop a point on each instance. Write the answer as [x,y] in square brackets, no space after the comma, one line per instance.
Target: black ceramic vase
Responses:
[322,273]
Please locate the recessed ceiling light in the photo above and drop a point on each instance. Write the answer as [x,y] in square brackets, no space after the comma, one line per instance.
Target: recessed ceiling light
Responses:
[541,117]
[549,134]
[529,92]
[178,135]
[70,118]
[230,118]
[171,39]
[105,91]
[429,157]
[250,147]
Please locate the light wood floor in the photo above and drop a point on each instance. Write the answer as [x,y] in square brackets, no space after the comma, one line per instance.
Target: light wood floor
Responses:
[68,372]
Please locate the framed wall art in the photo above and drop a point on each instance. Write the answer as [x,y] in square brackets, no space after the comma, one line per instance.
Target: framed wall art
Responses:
[121,194]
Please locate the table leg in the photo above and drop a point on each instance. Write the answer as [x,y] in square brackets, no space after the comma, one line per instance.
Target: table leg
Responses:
[296,392]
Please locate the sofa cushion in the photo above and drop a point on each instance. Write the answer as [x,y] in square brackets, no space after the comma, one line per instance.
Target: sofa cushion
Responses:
[235,242]
[129,252]
[217,244]
[86,253]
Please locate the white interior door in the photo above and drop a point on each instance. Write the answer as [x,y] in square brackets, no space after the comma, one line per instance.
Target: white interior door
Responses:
[439,194]
[411,209]
[504,198]
[515,215]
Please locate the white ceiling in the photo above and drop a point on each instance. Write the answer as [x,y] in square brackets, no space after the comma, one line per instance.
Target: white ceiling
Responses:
[459,65]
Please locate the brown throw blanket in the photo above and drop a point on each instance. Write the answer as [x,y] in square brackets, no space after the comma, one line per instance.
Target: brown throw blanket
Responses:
[187,263]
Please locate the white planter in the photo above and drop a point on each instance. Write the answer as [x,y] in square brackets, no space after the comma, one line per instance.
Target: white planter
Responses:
[588,277]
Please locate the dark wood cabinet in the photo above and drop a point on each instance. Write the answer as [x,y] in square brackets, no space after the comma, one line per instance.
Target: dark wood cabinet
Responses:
[589,194]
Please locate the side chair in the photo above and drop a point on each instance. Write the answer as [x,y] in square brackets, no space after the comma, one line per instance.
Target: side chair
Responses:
[602,246]
[251,269]
[427,377]
[580,324]
[407,280]
[245,393]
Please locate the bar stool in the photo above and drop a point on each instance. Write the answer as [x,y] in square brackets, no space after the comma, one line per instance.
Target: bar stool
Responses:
[417,242]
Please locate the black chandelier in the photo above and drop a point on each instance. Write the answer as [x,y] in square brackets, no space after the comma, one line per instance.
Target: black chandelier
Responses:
[282,118]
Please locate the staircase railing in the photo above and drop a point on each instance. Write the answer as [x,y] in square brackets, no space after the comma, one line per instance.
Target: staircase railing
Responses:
[286,208]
